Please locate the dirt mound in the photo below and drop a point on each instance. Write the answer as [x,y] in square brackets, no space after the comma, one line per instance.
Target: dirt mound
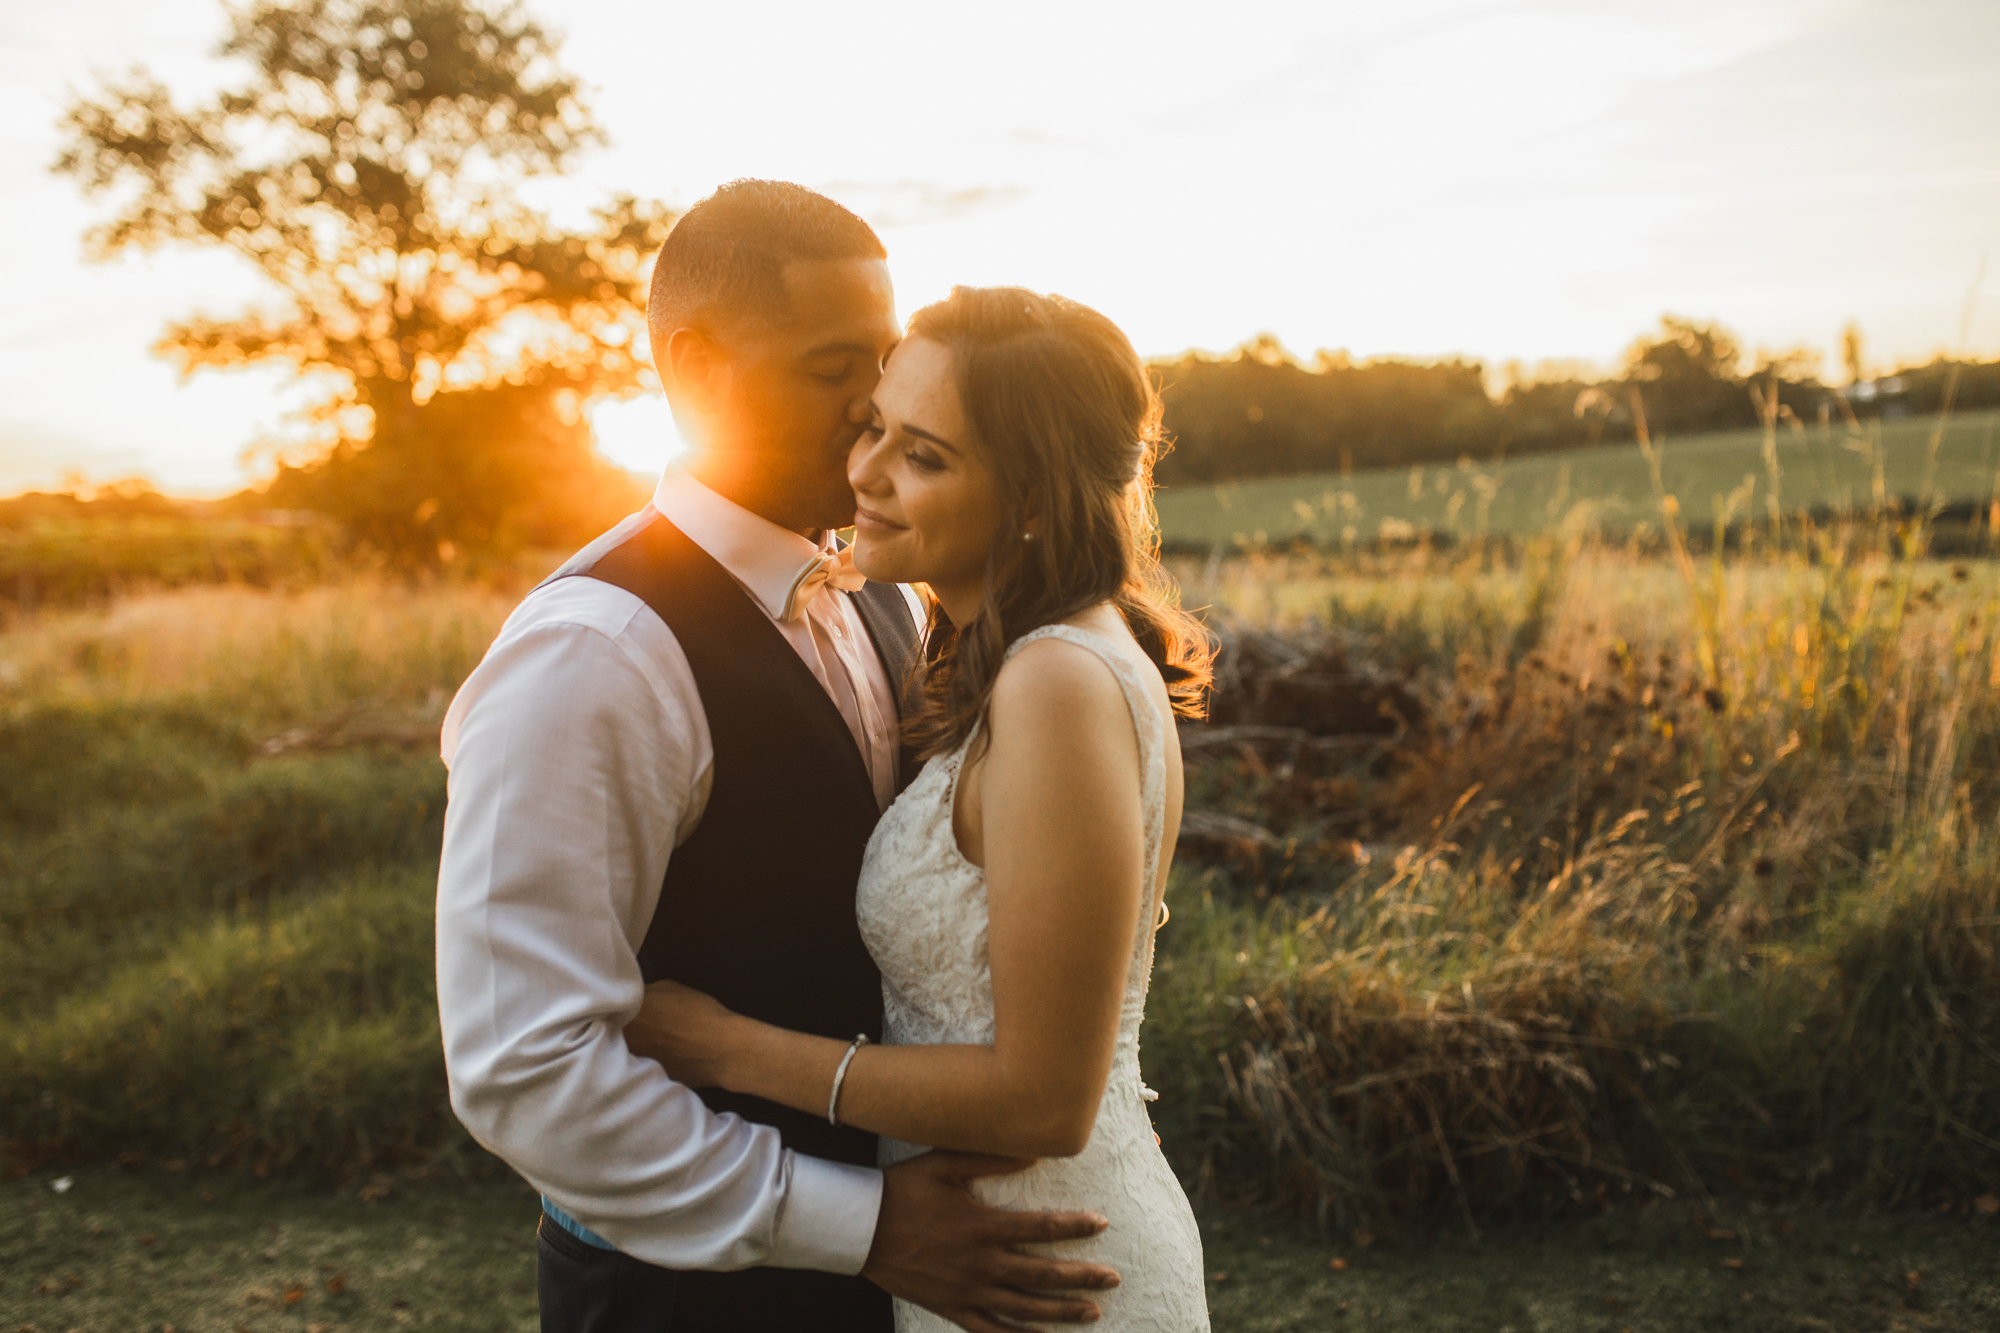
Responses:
[1316,682]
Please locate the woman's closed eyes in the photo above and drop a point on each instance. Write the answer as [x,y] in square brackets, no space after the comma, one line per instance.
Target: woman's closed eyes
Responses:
[921,459]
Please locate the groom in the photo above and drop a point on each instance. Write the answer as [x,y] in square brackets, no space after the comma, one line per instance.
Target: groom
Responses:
[668,765]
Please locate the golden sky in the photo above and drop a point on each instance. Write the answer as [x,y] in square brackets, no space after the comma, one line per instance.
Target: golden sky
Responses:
[1492,178]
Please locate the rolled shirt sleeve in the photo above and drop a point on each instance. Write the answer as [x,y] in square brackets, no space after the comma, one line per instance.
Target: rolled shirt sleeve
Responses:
[579,757]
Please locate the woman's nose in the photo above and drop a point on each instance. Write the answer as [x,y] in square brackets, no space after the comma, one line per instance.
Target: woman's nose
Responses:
[864,471]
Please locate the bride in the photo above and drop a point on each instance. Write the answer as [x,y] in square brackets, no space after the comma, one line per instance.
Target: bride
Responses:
[1010,894]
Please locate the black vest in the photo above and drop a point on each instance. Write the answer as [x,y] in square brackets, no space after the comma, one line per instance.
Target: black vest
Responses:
[757,908]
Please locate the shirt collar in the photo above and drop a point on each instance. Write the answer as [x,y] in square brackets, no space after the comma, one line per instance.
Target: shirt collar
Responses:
[766,559]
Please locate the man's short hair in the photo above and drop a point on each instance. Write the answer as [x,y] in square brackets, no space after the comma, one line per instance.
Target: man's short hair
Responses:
[724,261]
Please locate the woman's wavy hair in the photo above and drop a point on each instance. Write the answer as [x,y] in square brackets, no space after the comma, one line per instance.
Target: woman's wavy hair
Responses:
[1067,419]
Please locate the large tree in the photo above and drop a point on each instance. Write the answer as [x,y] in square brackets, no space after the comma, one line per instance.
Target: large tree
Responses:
[366,167]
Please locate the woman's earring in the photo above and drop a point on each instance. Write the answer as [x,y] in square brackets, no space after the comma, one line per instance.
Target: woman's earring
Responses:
[1027,536]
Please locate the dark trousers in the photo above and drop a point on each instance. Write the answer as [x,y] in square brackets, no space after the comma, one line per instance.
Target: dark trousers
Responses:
[584,1289]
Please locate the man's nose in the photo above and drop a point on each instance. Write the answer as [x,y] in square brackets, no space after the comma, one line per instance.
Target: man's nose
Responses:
[858,410]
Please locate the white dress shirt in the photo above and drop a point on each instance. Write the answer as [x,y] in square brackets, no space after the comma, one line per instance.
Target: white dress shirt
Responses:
[579,758]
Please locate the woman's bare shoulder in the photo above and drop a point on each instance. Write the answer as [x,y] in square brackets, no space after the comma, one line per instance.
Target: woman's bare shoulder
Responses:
[1055,677]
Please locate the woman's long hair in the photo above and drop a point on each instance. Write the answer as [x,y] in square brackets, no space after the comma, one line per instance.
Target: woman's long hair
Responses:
[1068,421]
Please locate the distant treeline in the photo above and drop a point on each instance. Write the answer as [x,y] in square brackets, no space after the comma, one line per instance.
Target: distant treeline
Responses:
[1259,412]
[62,548]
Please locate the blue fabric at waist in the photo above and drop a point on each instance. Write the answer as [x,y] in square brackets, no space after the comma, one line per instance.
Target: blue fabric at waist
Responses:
[574,1227]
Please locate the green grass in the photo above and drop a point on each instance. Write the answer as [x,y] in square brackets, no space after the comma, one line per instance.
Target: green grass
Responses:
[303,1037]
[1610,487]
[209,1253]
[118,880]
[218,843]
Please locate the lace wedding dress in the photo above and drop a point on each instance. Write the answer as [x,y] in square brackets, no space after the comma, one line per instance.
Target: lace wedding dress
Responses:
[922,909]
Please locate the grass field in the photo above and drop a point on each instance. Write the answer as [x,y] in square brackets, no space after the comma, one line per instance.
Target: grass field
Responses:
[1843,468]
[1674,894]
[1584,929]
[54,561]
[218,840]
[215,1254]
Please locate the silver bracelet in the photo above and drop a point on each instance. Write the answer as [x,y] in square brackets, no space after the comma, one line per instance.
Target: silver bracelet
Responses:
[840,1076]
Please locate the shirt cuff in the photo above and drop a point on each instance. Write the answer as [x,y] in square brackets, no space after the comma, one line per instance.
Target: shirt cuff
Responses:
[827,1221]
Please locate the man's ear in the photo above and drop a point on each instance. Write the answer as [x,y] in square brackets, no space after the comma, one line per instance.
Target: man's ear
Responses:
[694,365]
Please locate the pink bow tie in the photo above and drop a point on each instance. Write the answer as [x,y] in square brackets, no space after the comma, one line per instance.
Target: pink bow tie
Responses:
[828,567]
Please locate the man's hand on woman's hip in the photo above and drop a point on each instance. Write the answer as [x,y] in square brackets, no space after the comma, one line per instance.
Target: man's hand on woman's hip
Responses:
[938,1247]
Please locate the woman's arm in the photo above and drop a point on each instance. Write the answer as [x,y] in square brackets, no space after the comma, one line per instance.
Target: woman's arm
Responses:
[1053,812]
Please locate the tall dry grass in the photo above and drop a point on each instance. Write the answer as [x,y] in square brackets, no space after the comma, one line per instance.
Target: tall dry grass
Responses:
[1687,881]
[270,655]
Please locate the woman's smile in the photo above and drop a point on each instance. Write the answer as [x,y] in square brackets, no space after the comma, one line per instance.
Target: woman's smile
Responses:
[877,525]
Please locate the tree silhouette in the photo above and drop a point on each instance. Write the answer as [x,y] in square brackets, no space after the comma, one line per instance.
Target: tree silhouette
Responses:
[1688,377]
[366,169]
